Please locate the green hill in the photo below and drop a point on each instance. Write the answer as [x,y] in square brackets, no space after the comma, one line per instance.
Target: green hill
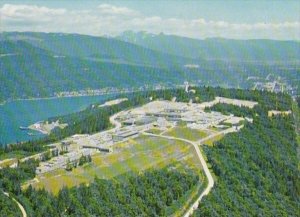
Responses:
[96,48]
[41,64]
[34,72]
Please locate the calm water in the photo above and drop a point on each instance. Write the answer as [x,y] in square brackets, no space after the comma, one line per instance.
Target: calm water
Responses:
[25,112]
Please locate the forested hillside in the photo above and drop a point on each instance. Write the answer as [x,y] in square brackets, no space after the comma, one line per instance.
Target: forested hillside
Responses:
[153,193]
[8,208]
[41,64]
[255,170]
[217,48]
[34,72]
[95,48]
[94,119]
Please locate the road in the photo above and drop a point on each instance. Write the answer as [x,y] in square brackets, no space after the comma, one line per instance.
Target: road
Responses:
[113,120]
[208,187]
[19,205]
[223,132]
[196,144]
[189,212]
[205,168]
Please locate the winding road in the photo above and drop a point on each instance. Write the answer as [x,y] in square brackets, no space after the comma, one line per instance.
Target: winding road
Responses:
[196,144]
[205,168]
[19,205]
[113,120]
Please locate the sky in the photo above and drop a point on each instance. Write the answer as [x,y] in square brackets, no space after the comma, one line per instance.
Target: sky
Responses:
[237,19]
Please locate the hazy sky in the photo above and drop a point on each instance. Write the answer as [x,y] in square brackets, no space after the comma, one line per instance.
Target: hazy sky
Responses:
[197,19]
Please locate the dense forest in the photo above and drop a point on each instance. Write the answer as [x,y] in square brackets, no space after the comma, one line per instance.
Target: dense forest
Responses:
[232,109]
[255,169]
[8,208]
[298,101]
[11,178]
[153,193]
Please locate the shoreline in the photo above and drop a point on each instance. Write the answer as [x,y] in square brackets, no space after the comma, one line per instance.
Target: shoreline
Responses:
[58,97]
[36,127]
[41,126]
[44,127]
[83,95]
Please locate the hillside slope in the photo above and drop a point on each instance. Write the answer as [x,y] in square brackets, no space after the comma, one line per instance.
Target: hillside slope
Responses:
[255,169]
[96,48]
[42,64]
[217,48]
[27,71]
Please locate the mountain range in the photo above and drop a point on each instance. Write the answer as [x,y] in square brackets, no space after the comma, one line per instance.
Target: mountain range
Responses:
[37,64]
[259,50]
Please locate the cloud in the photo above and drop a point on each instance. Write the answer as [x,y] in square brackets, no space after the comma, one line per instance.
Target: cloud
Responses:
[113,10]
[243,26]
[29,12]
[108,19]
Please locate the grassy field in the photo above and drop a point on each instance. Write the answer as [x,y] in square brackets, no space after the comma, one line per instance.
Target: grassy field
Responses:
[186,133]
[14,154]
[154,131]
[135,155]
[210,142]
[8,162]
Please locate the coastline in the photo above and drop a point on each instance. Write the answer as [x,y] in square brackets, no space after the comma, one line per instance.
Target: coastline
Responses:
[57,97]
[37,127]
[13,131]
[45,128]
[133,90]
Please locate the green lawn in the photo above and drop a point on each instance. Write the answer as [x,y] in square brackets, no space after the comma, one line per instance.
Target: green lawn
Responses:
[14,154]
[186,133]
[8,162]
[154,131]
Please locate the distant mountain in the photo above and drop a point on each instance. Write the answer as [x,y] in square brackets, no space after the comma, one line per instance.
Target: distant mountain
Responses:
[19,48]
[217,48]
[97,49]
[28,71]
[40,64]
